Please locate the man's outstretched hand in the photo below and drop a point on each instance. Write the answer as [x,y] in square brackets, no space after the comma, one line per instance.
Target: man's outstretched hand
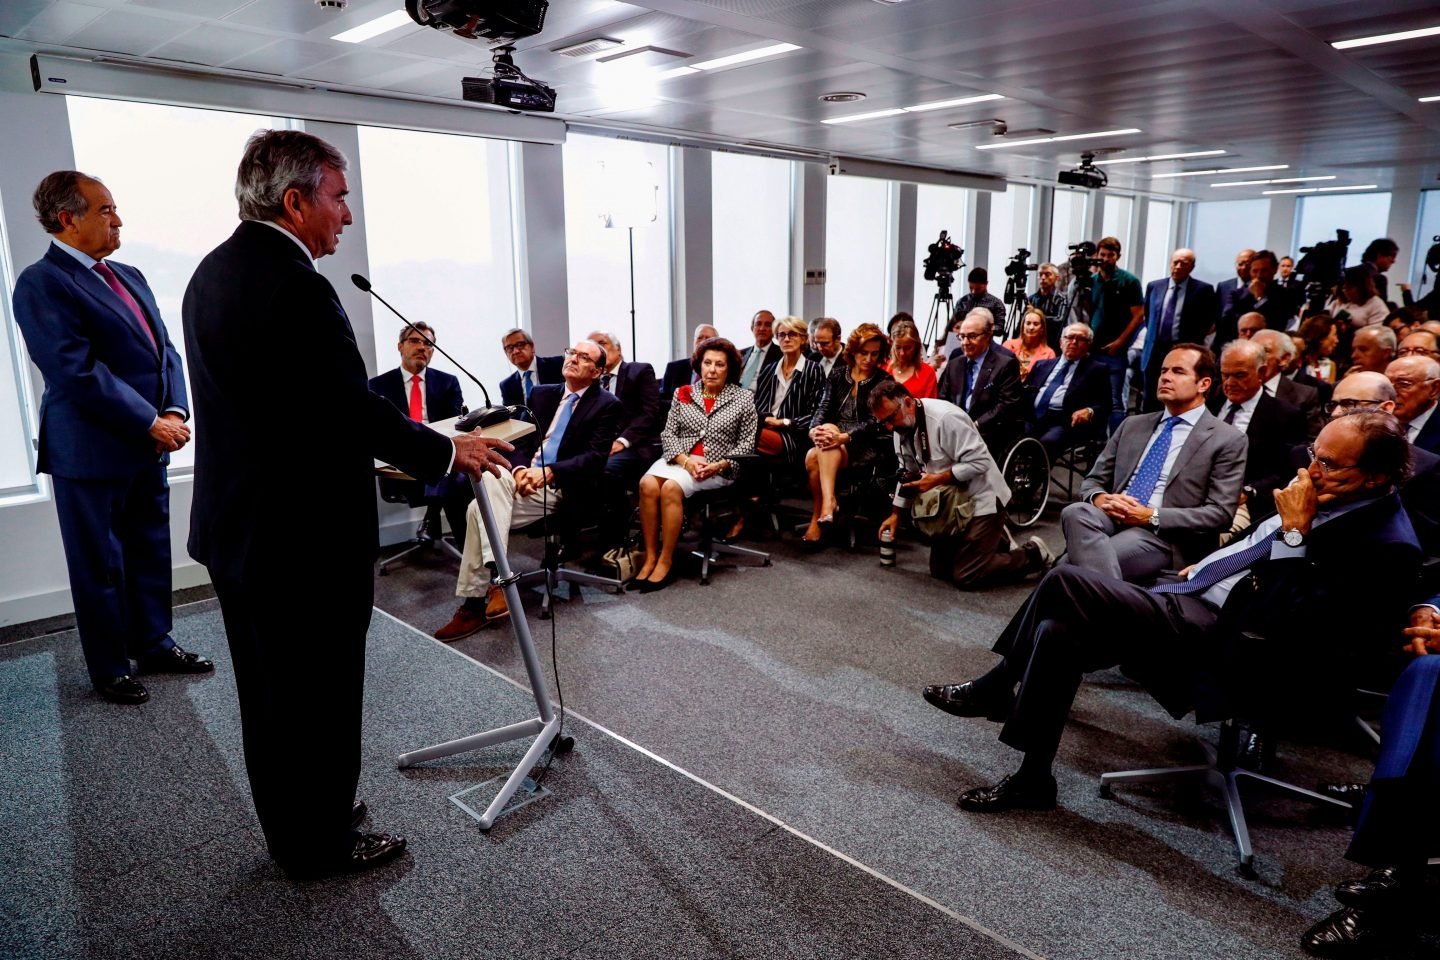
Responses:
[475,455]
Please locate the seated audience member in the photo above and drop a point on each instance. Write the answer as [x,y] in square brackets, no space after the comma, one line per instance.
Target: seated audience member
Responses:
[1070,396]
[825,344]
[1320,336]
[1280,352]
[575,424]
[785,397]
[1166,485]
[1356,301]
[844,432]
[1261,294]
[1396,834]
[957,489]
[1031,345]
[426,395]
[1271,427]
[530,371]
[1181,640]
[1372,349]
[1417,387]
[1051,301]
[1419,343]
[633,384]
[707,426]
[763,352]
[1179,309]
[907,360]
[680,372]
[983,379]
[1250,324]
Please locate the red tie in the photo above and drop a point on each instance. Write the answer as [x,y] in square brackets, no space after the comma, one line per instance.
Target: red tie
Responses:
[417,408]
[114,283]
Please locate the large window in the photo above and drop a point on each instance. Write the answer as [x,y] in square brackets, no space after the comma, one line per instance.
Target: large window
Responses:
[1425,238]
[1159,231]
[857,249]
[1068,224]
[936,209]
[1220,229]
[750,240]
[1010,217]
[464,287]
[17,453]
[627,186]
[174,188]
[1115,222]
[1365,215]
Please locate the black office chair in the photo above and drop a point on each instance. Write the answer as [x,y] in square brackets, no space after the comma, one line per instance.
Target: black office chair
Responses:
[562,531]
[404,491]
[709,513]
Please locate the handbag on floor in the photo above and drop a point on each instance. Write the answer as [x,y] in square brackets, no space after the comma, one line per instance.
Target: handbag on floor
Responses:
[624,561]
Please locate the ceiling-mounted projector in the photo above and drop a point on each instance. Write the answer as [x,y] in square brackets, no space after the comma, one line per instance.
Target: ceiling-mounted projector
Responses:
[1086,175]
[492,21]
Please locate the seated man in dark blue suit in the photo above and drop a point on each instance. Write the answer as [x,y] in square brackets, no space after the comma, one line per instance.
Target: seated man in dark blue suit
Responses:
[575,425]
[1399,829]
[113,411]
[1069,396]
[637,446]
[681,372]
[427,396]
[529,373]
[983,379]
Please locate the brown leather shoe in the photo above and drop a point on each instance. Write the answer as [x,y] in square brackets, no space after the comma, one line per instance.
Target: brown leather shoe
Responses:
[461,625]
[495,606]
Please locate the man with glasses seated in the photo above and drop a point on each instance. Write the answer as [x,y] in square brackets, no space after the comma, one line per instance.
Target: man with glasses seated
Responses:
[825,343]
[1420,343]
[1416,380]
[1069,395]
[575,425]
[427,396]
[983,379]
[530,371]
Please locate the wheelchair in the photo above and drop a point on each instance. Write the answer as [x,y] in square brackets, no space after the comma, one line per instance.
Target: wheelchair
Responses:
[1027,473]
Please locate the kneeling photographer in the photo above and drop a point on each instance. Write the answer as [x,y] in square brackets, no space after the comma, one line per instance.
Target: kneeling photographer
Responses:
[953,491]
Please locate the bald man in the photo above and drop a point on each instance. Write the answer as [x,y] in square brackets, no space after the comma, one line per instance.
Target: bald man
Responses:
[1179,309]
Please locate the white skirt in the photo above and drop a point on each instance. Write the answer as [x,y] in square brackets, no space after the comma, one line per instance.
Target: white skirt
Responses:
[688,484]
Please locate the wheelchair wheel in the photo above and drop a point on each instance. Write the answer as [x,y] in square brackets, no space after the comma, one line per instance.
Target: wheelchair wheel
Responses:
[1027,473]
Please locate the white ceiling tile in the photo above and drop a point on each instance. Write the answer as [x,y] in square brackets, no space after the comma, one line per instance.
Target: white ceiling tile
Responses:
[58,21]
[126,31]
[212,44]
[286,57]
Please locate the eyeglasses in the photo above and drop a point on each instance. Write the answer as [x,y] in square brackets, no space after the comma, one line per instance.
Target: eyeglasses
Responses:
[1408,384]
[1416,352]
[973,336]
[888,420]
[572,352]
[416,342]
[788,335]
[513,347]
[1327,466]
[1072,337]
[1333,405]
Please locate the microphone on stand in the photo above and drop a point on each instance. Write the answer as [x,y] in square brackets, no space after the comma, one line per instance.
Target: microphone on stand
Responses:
[486,416]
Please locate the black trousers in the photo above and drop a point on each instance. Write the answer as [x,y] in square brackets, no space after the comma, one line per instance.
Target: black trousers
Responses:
[299,660]
[1077,621]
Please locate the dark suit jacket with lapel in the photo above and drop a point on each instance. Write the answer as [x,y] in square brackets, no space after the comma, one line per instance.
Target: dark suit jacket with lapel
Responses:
[592,429]
[245,512]
[105,382]
[678,373]
[1203,489]
[1198,314]
[1429,437]
[639,396]
[998,407]
[1420,494]
[1274,428]
[798,406]
[1307,399]
[547,370]
[443,397]
[1089,387]
[1323,389]
[772,354]
[1280,304]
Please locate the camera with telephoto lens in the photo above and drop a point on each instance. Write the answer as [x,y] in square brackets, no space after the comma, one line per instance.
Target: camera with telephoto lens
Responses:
[943,261]
[1082,257]
[1015,271]
[1322,267]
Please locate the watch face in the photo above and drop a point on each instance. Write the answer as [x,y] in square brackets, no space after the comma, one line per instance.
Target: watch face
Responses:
[1293,538]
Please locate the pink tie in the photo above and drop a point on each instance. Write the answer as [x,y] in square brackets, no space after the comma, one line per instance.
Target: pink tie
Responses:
[114,283]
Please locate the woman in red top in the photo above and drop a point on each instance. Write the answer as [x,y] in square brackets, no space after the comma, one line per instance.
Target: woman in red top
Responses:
[907,361]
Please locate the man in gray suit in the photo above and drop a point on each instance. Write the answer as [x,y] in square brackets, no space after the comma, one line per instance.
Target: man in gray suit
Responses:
[1167,484]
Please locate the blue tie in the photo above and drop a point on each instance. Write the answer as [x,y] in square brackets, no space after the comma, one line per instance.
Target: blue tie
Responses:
[1226,566]
[529,385]
[1057,380]
[1142,485]
[551,450]
[1167,317]
[973,369]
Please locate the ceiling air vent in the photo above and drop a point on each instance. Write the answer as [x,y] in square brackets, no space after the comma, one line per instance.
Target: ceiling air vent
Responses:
[841,96]
[586,48]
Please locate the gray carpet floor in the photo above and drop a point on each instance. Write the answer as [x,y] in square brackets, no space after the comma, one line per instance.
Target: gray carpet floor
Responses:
[796,689]
[128,833]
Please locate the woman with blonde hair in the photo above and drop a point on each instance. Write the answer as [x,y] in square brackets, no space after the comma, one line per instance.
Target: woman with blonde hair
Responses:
[907,361]
[1031,345]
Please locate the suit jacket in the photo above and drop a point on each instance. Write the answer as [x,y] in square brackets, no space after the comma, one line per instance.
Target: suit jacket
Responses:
[105,382]
[998,407]
[1420,494]
[640,399]
[1429,437]
[443,397]
[1274,428]
[1198,314]
[1089,387]
[547,370]
[593,427]
[1203,489]
[1307,399]
[1281,303]
[678,373]
[772,355]
[245,511]
[798,406]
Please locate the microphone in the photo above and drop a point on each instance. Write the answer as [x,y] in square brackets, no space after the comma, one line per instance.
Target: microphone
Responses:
[485,417]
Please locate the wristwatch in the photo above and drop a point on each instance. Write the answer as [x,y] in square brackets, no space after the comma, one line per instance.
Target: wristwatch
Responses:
[1292,538]
[1154,520]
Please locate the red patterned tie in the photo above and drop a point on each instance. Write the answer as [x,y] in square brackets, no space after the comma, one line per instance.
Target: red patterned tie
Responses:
[114,283]
[417,408]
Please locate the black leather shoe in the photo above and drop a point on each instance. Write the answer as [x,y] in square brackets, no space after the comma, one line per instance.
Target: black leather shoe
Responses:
[369,850]
[1010,794]
[124,689]
[357,814]
[1351,793]
[1381,886]
[1257,752]
[966,700]
[1348,933]
[175,660]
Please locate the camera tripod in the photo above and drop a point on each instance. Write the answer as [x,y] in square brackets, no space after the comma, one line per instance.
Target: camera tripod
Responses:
[943,304]
[1019,303]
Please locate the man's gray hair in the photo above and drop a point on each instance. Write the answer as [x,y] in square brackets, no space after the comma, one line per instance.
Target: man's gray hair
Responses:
[514,330]
[60,193]
[1383,335]
[981,313]
[278,160]
[1283,341]
[1078,328]
[608,336]
[1249,349]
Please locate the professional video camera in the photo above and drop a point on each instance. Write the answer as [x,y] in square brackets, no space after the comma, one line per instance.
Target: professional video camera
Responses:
[1015,271]
[1322,267]
[943,261]
[499,23]
[1082,257]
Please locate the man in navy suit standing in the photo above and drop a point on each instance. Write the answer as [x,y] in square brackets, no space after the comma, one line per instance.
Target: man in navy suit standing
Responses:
[114,410]
[1180,309]
[427,395]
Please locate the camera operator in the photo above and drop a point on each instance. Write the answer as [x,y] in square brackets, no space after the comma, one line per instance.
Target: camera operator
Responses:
[1117,306]
[1052,302]
[1264,295]
[1378,257]
[979,296]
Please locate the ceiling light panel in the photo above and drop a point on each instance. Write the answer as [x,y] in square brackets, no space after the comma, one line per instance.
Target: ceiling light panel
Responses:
[745,57]
[915,108]
[1207,173]
[1254,183]
[1066,137]
[1160,156]
[1386,38]
[374,28]
[1365,186]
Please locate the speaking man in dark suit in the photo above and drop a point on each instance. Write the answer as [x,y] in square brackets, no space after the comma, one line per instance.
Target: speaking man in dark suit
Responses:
[763,352]
[113,411]
[297,634]
[1416,379]
[983,379]
[1070,394]
[1181,309]
[530,371]
[1166,485]
[679,373]
[426,395]
[576,424]
[1290,579]
[1271,427]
